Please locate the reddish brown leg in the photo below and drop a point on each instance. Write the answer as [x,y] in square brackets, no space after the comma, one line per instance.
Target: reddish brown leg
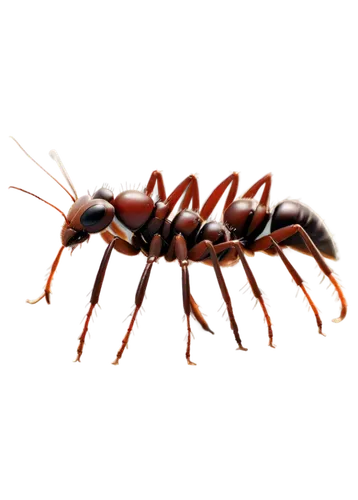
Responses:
[200,250]
[299,282]
[197,253]
[256,291]
[280,235]
[153,255]
[95,295]
[263,208]
[218,192]
[191,195]
[173,198]
[156,178]
[181,253]
[250,193]
[241,347]
[198,315]
[47,290]
[120,245]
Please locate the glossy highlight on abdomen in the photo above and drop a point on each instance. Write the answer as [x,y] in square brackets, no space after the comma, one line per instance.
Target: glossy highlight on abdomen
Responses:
[294,212]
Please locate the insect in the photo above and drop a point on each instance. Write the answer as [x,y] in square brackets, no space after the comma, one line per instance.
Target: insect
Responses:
[133,222]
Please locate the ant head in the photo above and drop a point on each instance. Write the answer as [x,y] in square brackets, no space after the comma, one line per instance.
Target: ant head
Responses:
[88,215]
[133,208]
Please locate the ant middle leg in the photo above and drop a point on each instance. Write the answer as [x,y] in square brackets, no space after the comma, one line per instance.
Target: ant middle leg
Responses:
[217,194]
[205,247]
[190,189]
[181,253]
[223,288]
[153,255]
[198,315]
[280,235]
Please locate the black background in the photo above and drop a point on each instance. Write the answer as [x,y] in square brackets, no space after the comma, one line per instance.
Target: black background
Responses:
[318,169]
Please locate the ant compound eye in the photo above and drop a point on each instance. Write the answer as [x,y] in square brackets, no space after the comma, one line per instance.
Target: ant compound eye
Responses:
[97,217]
[93,215]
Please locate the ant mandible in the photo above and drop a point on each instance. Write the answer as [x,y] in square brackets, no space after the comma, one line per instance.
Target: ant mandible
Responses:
[132,222]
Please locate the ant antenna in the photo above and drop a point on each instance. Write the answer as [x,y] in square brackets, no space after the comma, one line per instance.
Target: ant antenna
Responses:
[35,195]
[55,156]
[37,164]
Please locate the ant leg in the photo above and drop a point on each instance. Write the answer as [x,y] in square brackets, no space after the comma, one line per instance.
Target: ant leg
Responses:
[255,290]
[280,235]
[265,180]
[156,177]
[47,290]
[224,291]
[173,198]
[191,195]
[218,192]
[299,282]
[262,211]
[153,255]
[198,315]
[197,253]
[181,253]
[95,295]
[120,245]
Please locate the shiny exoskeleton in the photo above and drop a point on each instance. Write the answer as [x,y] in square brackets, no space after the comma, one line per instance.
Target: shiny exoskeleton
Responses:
[136,221]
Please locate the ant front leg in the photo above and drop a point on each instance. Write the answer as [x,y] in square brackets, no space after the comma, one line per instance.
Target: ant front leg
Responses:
[280,235]
[47,290]
[95,294]
[153,255]
[156,178]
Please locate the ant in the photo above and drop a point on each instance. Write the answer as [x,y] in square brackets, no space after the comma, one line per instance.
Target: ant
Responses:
[132,222]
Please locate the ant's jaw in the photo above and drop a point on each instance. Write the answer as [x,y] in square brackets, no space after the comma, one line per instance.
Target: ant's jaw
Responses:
[72,237]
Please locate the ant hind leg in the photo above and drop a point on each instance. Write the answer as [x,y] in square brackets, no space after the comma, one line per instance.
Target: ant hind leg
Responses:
[299,282]
[280,235]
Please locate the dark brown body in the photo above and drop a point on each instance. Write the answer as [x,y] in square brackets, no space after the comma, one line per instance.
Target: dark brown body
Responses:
[133,222]
[240,213]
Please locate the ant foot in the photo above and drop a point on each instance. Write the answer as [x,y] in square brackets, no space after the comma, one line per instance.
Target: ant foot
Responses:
[80,352]
[337,320]
[34,301]
[272,345]
[190,363]
[322,334]
[242,349]
[118,357]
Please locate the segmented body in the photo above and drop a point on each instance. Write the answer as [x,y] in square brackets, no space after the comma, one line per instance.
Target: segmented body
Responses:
[235,225]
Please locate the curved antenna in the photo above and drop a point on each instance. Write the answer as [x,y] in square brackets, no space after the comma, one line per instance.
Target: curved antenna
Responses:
[39,165]
[40,198]
[54,155]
